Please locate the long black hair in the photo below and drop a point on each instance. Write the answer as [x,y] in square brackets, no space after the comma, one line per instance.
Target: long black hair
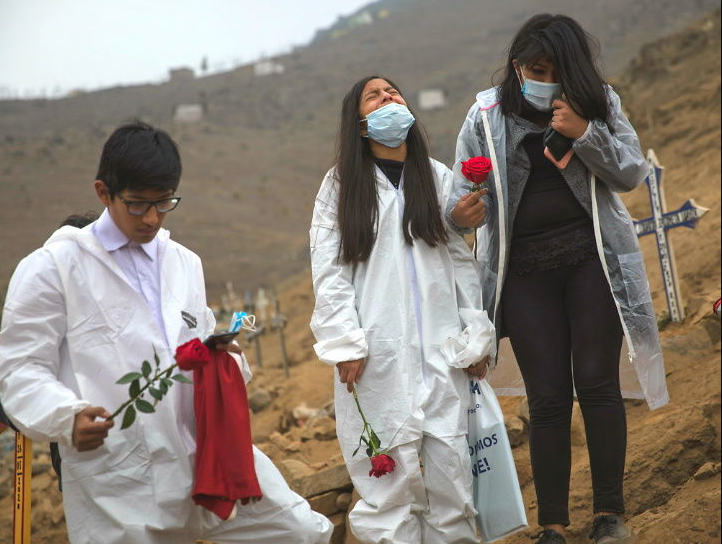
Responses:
[573,52]
[358,207]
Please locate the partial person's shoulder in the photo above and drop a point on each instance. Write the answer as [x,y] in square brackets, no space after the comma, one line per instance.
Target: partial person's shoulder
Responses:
[68,240]
[487,100]
[35,273]
[331,177]
[329,186]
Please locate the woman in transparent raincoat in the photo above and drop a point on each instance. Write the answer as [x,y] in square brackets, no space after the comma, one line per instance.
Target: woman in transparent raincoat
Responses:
[561,269]
[392,286]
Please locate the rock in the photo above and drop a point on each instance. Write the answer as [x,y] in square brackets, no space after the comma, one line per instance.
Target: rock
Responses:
[522,410]
[298,434]
[325,480]
[42,481]
[707,471]
[326,503]
[350,538]
[516,430]
[280,441]
[259,399]
[324,428]
[286,422]
[343,501]
[339,528]
[303,413]
[57,514]
[293,447]
[579,438]
[293,469]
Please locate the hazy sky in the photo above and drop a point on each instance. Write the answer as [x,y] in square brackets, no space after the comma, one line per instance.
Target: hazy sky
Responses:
[70,44]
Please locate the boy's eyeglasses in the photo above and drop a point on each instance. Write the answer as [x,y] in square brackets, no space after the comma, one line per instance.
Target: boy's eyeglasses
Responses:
[141,207]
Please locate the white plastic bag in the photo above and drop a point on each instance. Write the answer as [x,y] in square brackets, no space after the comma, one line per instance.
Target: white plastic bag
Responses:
[497,496]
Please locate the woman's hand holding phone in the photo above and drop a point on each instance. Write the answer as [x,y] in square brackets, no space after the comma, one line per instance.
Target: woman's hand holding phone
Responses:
[566,121]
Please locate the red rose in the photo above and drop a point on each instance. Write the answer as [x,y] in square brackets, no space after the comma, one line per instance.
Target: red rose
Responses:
[381,464]
[192,355]
[476,169]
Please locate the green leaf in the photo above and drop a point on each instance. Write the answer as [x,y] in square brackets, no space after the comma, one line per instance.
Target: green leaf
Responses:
[128,417]
[129,377]
[181,378]
[163,387]
[168,382]
[144,406]
[134,389]
[168,372]
[146,369]
[156,359]
[369,452]
[155,393]
[375,442]
[355,451]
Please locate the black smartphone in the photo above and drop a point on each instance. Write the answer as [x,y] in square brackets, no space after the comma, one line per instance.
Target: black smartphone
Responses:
[557,144]
[220,338]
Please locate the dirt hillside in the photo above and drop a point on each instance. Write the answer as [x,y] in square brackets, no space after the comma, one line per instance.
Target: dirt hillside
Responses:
[253,165]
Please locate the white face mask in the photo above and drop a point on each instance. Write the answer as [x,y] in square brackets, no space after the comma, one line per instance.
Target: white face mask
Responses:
[539,95]
[390,124]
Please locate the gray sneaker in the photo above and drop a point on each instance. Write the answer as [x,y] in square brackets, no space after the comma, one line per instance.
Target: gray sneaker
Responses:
[549,536]
[610,529]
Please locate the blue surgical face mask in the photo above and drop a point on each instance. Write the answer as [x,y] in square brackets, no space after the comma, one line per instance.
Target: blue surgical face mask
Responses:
[389,125]
[540,95]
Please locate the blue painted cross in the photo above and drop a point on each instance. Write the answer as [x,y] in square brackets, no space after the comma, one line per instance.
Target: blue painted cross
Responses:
[660,222]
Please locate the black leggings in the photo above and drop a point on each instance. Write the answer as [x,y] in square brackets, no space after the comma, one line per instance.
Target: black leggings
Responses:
[565,331]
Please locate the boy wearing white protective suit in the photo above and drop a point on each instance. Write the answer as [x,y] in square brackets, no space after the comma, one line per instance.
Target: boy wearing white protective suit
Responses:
[392,286]
[87,308]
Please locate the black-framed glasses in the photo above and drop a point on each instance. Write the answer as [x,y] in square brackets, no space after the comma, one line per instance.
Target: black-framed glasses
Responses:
[141,207]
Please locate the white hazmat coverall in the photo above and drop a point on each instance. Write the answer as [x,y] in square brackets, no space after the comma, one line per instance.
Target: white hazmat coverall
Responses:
[396,310]
[72,326]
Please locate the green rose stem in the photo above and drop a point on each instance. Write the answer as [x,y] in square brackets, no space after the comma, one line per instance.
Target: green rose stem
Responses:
[158,375]
[373,440]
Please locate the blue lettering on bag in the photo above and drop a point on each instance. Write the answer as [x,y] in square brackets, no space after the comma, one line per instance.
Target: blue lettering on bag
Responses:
[485,442]
[475,387]
[480,467]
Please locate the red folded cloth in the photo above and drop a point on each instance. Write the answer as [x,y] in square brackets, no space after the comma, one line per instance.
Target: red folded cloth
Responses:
[224,471]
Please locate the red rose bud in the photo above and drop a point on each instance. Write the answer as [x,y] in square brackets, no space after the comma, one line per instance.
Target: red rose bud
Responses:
[381,464]
[476,170]
[192,355]
[716,306]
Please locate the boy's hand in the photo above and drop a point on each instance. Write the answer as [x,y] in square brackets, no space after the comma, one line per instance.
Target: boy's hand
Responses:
[232,347]
[89,434]
[470,211]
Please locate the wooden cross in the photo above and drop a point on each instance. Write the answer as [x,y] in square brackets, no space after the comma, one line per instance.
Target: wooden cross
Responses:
[662,221]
